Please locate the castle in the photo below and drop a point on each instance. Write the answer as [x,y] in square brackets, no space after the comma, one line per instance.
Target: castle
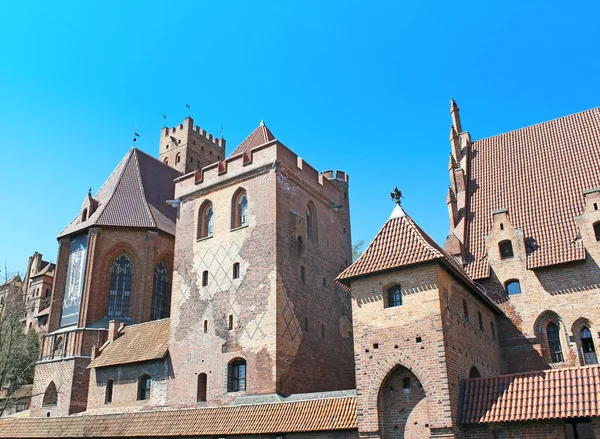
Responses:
[207,294]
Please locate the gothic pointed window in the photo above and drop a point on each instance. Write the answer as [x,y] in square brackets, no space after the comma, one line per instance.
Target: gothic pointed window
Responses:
[160,292]
[121,273]
[556,354]
[50,395]
[239,209]
[587,346]
[205,220]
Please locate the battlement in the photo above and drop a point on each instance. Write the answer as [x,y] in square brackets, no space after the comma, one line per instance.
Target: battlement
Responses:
[188,127]
[268,156]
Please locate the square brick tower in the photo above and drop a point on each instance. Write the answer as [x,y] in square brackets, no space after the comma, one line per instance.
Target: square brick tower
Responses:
[260,239]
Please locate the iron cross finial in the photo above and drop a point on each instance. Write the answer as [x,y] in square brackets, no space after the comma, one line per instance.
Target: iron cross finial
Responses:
[396,196]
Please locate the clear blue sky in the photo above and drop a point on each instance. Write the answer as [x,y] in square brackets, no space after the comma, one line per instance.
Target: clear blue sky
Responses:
[358,86]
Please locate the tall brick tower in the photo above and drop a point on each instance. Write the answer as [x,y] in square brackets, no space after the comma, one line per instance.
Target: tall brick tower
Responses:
[260,239]
[186,147]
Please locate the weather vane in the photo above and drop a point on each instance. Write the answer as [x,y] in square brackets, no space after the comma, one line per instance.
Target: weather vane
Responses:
[396,196]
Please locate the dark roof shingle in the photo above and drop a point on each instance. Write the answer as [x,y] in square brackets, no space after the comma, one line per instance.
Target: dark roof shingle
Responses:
[134,195]
[538,174]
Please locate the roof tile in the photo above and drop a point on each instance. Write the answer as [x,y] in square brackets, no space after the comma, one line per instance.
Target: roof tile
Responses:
[538,174]
[550,394]
[136,343]
[284,417]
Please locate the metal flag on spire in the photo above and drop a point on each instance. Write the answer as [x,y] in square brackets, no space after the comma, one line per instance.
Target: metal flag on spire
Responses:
[135,136]
[189,109]
[165,118]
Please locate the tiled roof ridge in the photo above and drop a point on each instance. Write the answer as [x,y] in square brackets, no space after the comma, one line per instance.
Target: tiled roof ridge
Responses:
[111,197]
[142,188]
[135,325]
[244,146]
[535,372]
[539,124]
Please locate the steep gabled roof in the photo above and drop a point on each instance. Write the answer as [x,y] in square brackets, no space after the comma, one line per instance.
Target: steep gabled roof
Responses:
[538,174]
[400,243]
[136,343]
[259,136]
[549,394]
[134,195]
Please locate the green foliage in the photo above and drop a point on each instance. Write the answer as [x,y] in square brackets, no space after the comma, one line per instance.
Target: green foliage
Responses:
[357,250]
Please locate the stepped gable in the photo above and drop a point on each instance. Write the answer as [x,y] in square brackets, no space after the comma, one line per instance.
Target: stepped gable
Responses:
[549,394]
[400,243]
[259,136]
[314,415]
[136,343]
[538,174]
[134,195]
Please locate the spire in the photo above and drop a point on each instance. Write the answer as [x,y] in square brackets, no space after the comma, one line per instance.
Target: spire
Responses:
[455,113]
[262,123]
[455,144]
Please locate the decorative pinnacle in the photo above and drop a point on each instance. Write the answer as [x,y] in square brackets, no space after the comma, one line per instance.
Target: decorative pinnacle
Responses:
[396,196]
[90,191]
[262,123]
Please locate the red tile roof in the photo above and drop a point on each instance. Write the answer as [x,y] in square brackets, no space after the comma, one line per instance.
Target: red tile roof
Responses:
[259,136]
[284,417]
[539,175]
[399,243]
[136,343]
[134,195]
[550,394]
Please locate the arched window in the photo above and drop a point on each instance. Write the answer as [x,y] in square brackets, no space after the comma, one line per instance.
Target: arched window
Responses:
[474,373]
[177,158]
[202,381]
[466,311]
[108,392]
[394,296]
[144,384]
[587,346]
[597,231]
[121,273]
[239,209]
[556,354]
[58,347]
[205,220]
[166,160]
[506,250]
[50,395]
[160,292]
[84,215]
[237,376]
[47,293]
[513,287]
[311,221]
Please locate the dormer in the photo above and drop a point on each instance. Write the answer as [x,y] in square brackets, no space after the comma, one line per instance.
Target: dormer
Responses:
[504,242]
[88,207]
[589,222]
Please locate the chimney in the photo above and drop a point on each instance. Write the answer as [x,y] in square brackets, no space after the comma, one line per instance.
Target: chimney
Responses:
[455,114]
[113,330]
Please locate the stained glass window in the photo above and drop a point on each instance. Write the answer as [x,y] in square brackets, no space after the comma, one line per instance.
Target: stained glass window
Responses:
[121,273]
[160,292]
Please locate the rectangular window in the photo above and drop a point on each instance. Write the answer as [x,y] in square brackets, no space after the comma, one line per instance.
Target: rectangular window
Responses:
[236,270]
[204,278]
[230,322]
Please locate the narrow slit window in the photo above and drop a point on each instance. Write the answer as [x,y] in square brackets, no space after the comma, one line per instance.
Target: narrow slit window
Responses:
[236,270]
[480,318]
[108,393]
[230,322]
[597,231]
[205,326]
[202,385]
[205,278]
[406,383]
[466,311]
